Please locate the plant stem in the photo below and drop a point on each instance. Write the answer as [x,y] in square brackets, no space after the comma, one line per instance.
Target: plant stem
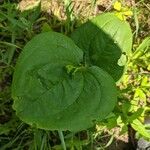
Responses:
[62,139]
[131,137]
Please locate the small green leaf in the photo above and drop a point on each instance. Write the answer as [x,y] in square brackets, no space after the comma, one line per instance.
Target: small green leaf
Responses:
[136,115]
[124,129]
[142,49]
[46,28]
[122,60]
[138,126]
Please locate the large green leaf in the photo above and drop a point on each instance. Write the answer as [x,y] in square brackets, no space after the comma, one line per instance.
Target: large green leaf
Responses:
[107,41]
[53,90]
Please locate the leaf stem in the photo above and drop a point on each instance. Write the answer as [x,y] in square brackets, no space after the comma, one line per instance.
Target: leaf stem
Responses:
[62,139]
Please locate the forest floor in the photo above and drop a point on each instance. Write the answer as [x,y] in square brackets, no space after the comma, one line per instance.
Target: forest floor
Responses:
[16,135]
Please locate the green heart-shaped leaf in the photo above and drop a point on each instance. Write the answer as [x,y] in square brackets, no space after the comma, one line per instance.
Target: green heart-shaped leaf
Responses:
[104,39]
[54,90]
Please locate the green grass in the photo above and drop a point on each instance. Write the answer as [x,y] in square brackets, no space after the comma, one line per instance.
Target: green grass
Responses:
[17,28]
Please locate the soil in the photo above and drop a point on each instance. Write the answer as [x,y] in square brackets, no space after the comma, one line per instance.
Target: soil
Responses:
[81,8]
